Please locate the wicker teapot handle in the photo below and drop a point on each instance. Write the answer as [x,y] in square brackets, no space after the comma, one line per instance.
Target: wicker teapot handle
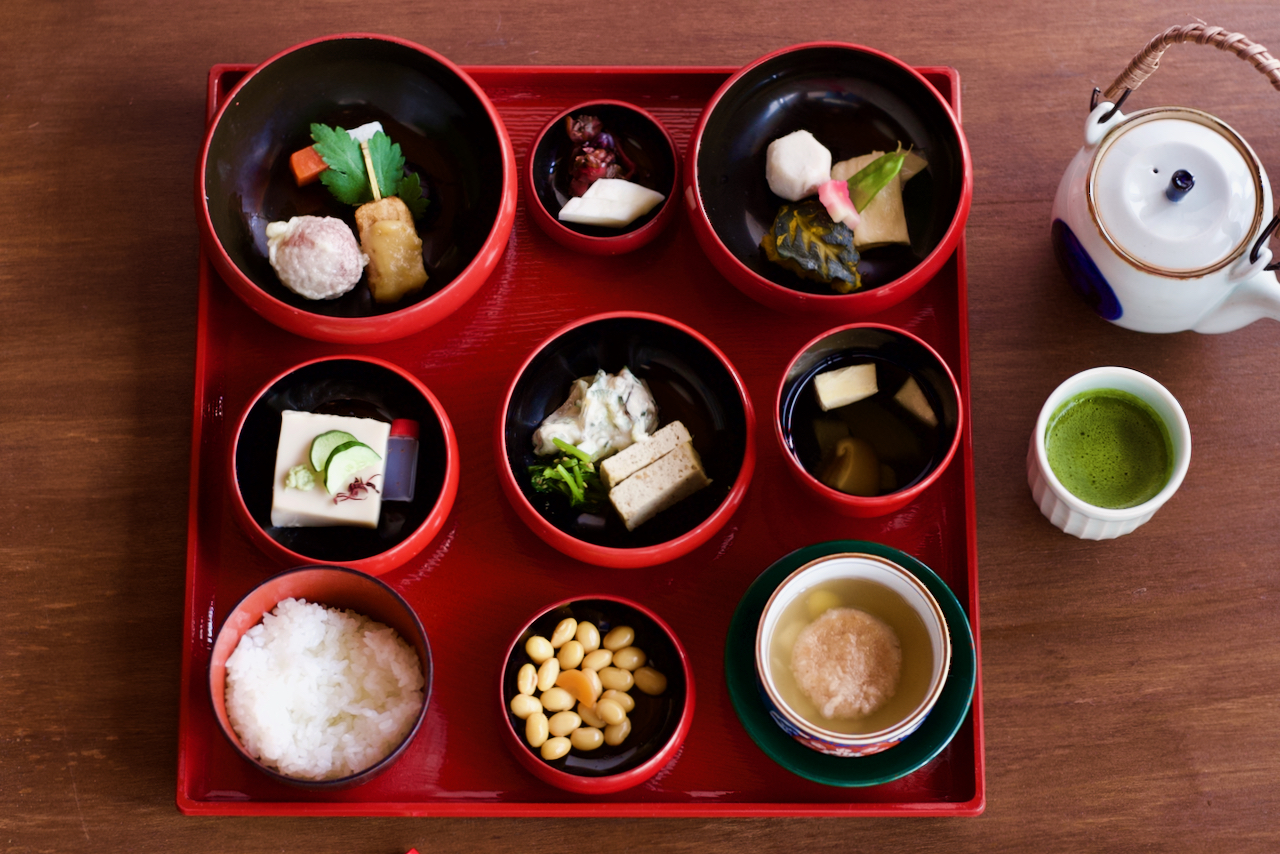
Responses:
[1148,60]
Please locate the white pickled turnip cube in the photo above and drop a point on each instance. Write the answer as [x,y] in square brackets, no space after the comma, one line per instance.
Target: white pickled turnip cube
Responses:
[796,165]
[611,202]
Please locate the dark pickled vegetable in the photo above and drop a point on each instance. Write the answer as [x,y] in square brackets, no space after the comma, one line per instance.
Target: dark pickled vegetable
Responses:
[806,240]
[596,154]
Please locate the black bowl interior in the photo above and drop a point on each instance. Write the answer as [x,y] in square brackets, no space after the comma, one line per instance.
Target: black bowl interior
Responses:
[641,139]
[340,387]
[798,406]
[442,128]
[654,719]
[689,384]
[853,103]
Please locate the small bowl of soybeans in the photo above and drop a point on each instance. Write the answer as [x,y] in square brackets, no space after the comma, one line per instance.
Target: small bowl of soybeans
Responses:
[597,693]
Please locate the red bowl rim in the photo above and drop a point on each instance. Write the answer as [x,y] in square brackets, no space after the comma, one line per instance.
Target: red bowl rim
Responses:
[624,241]
[641,556]
[218,709]
[856,304]
[383,327]
[857,505]
[615,782]
[401,552]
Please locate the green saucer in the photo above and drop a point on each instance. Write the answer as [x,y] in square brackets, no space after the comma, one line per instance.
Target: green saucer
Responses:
[914,751]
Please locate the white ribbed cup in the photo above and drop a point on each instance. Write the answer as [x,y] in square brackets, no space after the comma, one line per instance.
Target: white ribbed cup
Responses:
[1075,516]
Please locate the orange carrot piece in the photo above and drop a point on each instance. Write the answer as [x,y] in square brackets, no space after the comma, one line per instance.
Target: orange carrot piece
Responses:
[307,166]
[579,686]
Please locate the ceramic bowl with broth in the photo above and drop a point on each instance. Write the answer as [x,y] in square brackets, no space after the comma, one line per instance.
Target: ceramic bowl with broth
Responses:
[691,380]
[450,135]
[658,722]
[548,173]
[362,387]
[910,450]
[886,591]
[854,100]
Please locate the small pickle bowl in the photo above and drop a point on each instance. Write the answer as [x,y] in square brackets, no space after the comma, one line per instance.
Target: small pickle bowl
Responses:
[887,591]
[854,100]
[449,133]
[363,387]
[912,434]
[653,163]
[608,746]
[691,381]
[332,587]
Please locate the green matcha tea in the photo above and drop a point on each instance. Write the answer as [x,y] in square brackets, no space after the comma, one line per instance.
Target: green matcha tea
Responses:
[1109,448]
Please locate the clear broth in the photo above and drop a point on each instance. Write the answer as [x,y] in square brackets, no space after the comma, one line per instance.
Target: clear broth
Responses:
[879,601]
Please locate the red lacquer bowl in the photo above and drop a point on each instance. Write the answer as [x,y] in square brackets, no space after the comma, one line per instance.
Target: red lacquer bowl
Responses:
[345,385]
[691,381]
[449,132]
[547,176]
[863,342]
[853,100]
[333,587]
[659,723]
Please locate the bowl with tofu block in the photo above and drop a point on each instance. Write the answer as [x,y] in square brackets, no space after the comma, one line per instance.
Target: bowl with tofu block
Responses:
[601,176]
[868,416]
[356,188]
[597,693]
[344,460]
[625,439]
[828,179]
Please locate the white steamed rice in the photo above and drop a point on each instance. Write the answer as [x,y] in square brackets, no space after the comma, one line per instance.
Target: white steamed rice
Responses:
[317,693]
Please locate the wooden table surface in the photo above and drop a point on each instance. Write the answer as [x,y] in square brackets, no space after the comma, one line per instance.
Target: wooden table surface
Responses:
[1131,695]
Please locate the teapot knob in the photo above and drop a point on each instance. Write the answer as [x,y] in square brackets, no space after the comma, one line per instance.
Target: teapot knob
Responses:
[1179,185]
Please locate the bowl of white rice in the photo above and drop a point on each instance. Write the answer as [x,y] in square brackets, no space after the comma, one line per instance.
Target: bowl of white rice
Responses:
[320,677]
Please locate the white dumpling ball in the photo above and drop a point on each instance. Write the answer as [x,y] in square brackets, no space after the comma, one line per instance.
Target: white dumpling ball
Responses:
[315,257]
[797,165]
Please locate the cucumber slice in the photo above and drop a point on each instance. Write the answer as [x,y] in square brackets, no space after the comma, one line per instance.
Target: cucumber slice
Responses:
[347,459]
[322,446]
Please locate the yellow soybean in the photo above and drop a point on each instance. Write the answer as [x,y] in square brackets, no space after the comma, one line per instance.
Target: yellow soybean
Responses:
[557,700]
[527,679]
[563,723]
[586,738]
[539,649]
[610,712]
[622,698]
[616,678]
[589,636]
[589,716]
[522,706]
[554,748]
[535,729]
[650,681]
[570,655]
[564,632]
[597,659]
[629,658]
[618,638]
[615,734]
[547,674]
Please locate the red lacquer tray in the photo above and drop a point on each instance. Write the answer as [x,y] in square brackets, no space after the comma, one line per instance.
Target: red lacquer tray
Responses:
[487,572]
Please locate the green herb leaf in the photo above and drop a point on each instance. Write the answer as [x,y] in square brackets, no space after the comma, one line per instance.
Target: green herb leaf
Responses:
[411,195]
[345,177]
[573,476]
[388,163]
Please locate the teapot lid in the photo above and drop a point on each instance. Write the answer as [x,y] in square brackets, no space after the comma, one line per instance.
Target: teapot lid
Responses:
[1176,191]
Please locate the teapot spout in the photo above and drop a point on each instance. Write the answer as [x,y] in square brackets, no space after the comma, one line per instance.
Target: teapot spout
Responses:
[1256,297]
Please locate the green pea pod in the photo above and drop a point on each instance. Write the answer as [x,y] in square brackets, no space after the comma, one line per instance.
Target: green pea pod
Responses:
[874,177]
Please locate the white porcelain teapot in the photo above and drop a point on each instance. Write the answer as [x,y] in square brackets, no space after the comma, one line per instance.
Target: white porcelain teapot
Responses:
[1161,221]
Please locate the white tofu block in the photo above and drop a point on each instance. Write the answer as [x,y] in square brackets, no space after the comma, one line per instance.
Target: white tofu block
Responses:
[911,397]
[667,481]
[611,202]
[796,165]
[884,219]
[845,385]
[622,465]
[365,132]
[315,507]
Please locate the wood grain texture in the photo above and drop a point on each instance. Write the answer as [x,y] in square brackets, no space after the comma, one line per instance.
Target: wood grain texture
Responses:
[1131,692]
